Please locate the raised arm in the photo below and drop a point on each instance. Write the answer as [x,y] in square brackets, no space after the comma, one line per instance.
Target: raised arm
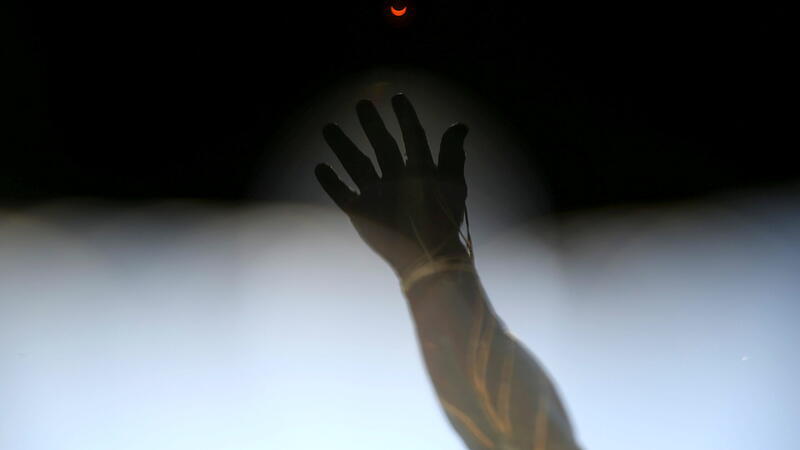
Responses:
[492,390]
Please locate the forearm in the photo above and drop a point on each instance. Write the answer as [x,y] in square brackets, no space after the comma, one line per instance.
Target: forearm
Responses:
[493,391]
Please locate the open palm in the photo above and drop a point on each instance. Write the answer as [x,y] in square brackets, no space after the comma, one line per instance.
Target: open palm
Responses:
[413,211]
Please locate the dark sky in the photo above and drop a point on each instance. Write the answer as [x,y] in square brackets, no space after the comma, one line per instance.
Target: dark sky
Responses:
[135,101]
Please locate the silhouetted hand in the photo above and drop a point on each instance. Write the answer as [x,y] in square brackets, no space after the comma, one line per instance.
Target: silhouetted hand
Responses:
[413,212]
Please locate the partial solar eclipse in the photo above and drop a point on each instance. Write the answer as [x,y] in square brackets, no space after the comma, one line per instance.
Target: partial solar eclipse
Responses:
[398,12]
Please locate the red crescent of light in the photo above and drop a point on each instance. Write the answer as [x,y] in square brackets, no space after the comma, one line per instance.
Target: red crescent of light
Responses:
[398,12]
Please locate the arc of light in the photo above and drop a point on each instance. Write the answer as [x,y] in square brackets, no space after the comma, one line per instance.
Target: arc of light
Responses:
[398,12]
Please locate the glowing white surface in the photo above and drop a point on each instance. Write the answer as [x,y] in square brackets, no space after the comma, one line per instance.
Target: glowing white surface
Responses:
[186,327]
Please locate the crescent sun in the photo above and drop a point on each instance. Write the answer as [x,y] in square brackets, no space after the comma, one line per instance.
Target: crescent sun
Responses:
[398,12]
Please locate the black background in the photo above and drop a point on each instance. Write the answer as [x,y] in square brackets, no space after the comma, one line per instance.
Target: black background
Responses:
[135,101]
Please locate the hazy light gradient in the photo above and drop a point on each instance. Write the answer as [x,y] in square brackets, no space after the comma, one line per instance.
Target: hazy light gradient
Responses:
[189,326]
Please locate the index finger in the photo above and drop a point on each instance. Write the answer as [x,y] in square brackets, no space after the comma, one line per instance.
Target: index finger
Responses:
[416,143]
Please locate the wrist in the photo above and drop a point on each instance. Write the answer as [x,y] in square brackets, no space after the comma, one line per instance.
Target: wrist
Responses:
[429,269]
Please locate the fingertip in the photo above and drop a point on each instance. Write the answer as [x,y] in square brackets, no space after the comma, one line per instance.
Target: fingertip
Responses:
[321,171]
[366,110]
[460,128]
[332,135]
[399,99]
[363,104]
[456,133]
[329,129]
